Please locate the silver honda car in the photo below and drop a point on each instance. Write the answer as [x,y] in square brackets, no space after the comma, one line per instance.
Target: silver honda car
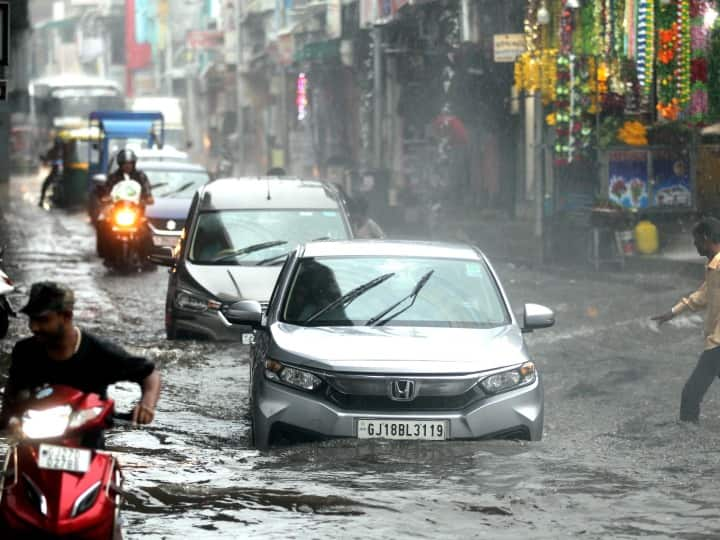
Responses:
[391,340]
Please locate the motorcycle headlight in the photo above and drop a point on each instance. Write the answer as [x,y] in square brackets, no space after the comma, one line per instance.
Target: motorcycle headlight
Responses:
[297,378]
[47,423]
[79,418]
[509,380]
[125,217]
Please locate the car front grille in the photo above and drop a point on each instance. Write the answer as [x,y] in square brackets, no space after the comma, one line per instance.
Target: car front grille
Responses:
[374,393]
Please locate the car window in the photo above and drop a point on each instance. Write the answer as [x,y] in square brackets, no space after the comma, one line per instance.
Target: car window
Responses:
[219,234]
[175,183]
[456,292]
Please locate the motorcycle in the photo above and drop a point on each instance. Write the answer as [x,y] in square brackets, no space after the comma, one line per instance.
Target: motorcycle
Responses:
[122,228]
[54,484]
[7,287]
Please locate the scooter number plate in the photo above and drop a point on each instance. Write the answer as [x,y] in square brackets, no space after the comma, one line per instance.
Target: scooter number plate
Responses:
[62,458]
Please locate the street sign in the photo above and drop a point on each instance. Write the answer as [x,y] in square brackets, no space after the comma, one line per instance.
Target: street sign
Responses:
[3,90]
[5,34]
[507,47]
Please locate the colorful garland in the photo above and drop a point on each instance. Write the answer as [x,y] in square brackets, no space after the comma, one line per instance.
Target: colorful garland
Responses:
[684,53]
[669,48]
[573,127]
[537,71]
[699,41]
[645,46]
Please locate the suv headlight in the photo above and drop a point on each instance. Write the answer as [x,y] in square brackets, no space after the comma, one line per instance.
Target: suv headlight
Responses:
[192,302]
[297,378]
[509,380]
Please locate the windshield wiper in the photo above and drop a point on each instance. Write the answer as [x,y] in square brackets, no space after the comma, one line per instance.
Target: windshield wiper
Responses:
[178,190]
[273,259]
[378,320]
[345,299]
[249,249]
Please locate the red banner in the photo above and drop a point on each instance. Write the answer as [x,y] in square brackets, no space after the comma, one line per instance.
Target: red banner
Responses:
[138,55]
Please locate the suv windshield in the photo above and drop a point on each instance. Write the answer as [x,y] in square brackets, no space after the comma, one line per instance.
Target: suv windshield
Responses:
[175,184]
[218,234]
[414,292]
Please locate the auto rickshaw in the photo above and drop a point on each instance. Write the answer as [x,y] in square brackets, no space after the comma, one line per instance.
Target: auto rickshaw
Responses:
[71,191]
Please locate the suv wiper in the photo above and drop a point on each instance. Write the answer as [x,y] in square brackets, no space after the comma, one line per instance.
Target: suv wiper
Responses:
[273,259]
[378,320]
[178,190]
[249,249]
[345,299]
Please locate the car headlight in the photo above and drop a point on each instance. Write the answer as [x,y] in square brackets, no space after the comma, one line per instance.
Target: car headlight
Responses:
[291,376]
[47,423]
[508,380]
[191,302]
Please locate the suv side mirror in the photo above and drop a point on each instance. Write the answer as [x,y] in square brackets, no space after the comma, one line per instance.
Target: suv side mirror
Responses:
[162,256]
[536,316]
[247,312]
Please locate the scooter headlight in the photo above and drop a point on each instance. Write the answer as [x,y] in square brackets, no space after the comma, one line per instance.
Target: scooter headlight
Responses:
[80,418]
[47,423]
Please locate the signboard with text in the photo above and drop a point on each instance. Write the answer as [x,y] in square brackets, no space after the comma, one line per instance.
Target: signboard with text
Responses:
[5,34]
[507,47]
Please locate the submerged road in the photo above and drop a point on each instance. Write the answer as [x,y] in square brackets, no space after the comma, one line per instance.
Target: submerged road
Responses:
[614,461]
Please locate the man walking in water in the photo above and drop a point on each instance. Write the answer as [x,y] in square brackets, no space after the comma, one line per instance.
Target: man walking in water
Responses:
[706,235]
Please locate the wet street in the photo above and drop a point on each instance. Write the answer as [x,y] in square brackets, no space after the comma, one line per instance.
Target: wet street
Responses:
[613,463]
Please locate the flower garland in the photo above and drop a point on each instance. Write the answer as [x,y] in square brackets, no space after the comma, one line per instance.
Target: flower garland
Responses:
[667,63]
[699,42]
[537,71]
[573,127]
[645,46]
[684,53]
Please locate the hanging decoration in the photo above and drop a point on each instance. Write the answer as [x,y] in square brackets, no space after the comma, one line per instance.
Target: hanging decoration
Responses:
[537,71]
[668,105]
[699,42]
[684,53]
[572,116]
[645,49]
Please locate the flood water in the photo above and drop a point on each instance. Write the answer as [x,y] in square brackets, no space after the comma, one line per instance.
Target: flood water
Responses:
[614,462]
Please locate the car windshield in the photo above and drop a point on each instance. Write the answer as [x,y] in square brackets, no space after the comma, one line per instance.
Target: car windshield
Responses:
[220,234]
[449,292]
[174,183]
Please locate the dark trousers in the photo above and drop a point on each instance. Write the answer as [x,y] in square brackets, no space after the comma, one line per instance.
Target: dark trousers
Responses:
[708,367]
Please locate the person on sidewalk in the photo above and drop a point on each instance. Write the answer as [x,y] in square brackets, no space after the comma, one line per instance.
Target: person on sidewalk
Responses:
[706,235]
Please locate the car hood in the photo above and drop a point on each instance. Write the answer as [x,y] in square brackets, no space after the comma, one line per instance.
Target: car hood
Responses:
[253,282]
[416,350]
[169,208]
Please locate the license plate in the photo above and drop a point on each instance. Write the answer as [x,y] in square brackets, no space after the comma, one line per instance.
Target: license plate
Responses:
[248,339]
[165,241]
[62,458]
[400,430]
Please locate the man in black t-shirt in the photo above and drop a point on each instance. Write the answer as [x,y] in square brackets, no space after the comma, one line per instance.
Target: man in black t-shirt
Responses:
[60,353]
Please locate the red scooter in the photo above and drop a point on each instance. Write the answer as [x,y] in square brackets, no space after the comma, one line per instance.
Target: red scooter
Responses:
[56,484]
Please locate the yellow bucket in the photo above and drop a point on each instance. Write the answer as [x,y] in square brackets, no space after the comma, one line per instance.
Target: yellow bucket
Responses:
[646,238]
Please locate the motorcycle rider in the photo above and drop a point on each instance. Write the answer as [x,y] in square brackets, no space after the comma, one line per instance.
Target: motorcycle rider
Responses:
[61,353]
[54,156]
[127,161]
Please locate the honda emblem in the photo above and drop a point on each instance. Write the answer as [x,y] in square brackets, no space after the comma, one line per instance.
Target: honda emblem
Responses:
[402,390]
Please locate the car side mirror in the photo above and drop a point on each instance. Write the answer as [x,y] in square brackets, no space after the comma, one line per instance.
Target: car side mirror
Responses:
[536,316]
[162,256]
[247,312]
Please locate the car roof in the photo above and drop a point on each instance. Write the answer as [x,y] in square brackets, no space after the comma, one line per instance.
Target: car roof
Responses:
[390,248]
[166,153]
[165,165]
[262,193]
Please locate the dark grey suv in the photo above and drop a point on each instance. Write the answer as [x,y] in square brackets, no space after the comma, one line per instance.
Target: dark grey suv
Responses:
[238,234]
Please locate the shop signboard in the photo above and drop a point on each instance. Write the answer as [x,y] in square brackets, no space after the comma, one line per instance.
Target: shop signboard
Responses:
[507,47]
[649,178]
[628,171]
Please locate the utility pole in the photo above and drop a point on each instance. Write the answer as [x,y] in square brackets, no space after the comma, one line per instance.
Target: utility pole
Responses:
[239,92]
[377,95]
